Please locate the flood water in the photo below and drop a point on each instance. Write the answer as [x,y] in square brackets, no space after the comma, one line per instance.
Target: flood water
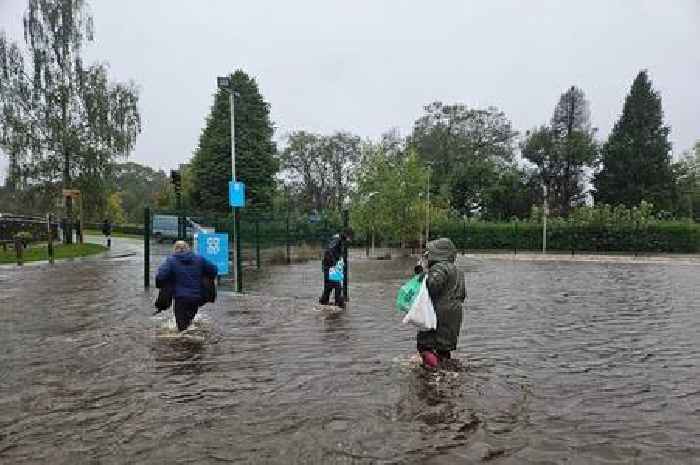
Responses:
[559,362]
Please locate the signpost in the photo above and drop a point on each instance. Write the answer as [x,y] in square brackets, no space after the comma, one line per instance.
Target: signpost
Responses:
[75,194]
[214,247]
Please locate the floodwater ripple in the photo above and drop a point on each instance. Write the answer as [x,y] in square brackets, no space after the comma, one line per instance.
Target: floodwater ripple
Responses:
[559,361]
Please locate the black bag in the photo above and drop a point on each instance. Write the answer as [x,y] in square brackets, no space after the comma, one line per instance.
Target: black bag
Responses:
[165,296]
[208,289]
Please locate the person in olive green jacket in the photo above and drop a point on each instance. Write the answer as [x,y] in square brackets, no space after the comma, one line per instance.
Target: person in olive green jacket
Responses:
[447,289]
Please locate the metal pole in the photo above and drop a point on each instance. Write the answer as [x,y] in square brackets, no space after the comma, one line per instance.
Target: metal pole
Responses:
[146,247]
[82,218]
[346,274]
[427,214]
[239,268]
[289,257]
[180,221]
[50,238]
[235,248]
[544,222]
[257,243]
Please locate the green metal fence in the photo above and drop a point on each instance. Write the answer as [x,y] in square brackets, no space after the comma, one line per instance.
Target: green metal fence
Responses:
[265,239]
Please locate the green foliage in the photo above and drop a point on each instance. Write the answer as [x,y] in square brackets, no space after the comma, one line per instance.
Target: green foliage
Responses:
[138,186]
[255,150]
[636,162]
[466,149]
[686,174]
[390,197]
[563,151]
[511,195]
[62,119]
[115,212]
[659,237]
[319,170]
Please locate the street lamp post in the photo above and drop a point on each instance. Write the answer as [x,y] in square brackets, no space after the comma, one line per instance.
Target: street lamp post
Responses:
[427,211]
[224,82]
[545,211]
[369,198]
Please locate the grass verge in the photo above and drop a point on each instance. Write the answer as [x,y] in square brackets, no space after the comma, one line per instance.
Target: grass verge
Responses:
[40,252]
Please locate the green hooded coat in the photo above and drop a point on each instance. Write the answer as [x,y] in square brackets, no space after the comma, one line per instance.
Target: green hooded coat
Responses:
[447,289]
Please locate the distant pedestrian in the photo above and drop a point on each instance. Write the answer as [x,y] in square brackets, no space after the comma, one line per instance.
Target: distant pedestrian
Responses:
[107,231]
[331,257]
[184,272]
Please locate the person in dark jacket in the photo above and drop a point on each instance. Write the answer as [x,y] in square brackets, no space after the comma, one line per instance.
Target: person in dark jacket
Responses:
[447,289]
[331,256]
[107,231]
[185,270]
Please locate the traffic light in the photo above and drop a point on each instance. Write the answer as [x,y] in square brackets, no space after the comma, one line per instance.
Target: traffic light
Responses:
[176,180]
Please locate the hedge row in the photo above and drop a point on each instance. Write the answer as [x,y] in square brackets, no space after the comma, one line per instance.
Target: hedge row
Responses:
[670,237]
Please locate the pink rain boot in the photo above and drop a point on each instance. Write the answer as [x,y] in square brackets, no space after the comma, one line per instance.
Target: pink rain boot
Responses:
[430,360]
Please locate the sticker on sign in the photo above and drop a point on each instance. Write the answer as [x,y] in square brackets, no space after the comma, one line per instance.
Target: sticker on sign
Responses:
[214,247]
[236,194]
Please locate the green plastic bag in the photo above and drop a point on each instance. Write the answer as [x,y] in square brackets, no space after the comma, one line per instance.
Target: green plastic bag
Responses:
[407,293]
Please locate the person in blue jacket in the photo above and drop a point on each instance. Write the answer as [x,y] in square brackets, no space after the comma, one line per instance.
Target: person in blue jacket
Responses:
[184,270]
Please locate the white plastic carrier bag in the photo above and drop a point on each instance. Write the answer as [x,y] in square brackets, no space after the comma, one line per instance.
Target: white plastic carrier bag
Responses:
[422,313]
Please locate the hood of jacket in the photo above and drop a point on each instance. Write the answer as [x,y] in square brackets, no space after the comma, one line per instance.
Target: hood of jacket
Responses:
[185,258]
[441,250]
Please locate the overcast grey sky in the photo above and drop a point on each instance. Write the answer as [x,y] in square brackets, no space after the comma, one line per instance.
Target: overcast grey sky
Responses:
[366,65]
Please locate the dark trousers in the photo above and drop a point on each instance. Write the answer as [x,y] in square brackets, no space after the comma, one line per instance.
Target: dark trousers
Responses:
[185,310]
[328,287]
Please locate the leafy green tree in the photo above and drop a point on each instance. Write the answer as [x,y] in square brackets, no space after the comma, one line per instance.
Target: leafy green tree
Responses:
[66,115]
[342,152]
[390,196]
[563,151]
[138,186]
[321,169]
[305,171]
[686,174]
[115,211]
[636,160]
[465,149]
[255,151]
[512,195]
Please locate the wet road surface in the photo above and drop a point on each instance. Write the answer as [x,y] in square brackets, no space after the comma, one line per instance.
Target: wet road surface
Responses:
[559,362]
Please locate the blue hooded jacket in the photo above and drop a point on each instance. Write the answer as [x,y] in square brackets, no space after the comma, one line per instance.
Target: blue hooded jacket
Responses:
[185,271]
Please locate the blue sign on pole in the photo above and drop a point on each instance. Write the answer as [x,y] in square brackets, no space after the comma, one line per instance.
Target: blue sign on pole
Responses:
[236,194]
[214,247]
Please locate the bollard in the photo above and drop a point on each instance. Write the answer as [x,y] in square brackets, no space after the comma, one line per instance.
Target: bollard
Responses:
[50,238]
[346,224]
[146,247]
[238,264]
[257,244]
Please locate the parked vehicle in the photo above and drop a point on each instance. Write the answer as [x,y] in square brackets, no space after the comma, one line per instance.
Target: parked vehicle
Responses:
[164,227]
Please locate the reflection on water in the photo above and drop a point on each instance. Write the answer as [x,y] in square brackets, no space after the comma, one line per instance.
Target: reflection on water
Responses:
[558,362]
